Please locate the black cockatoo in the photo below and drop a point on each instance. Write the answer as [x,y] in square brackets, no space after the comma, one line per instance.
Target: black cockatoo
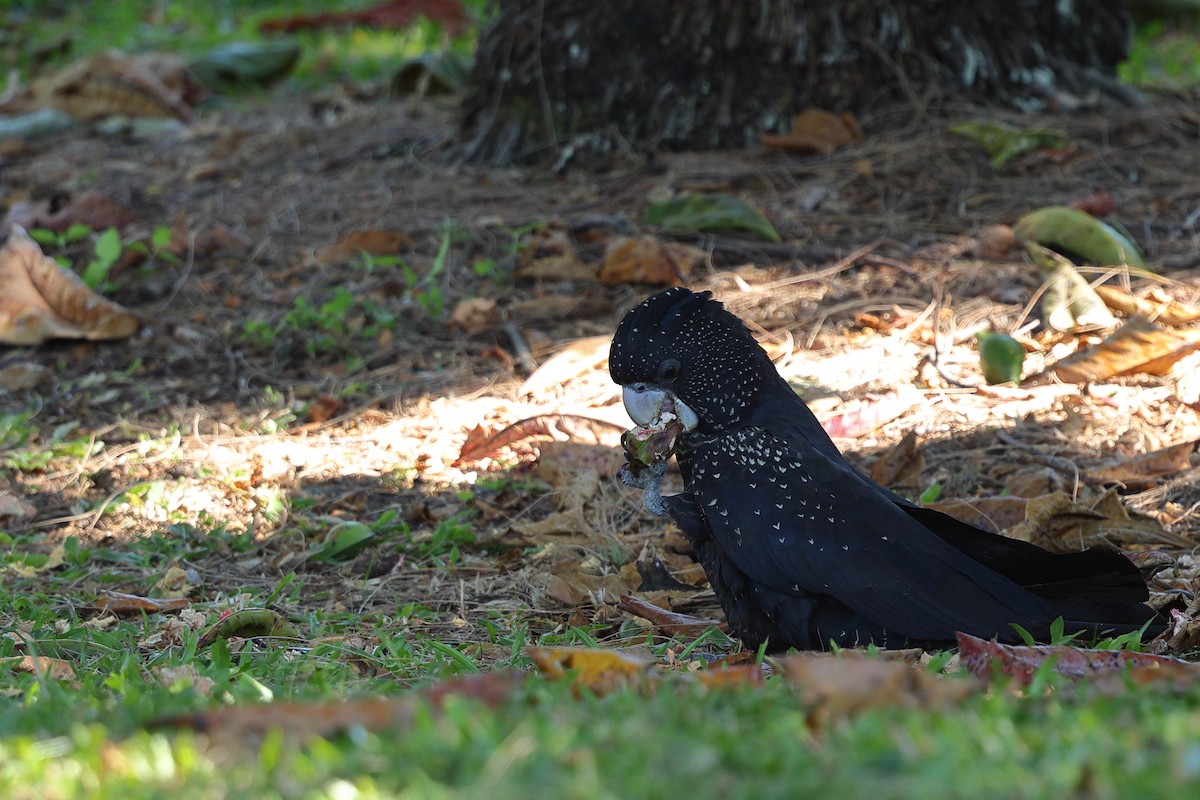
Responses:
[801,550]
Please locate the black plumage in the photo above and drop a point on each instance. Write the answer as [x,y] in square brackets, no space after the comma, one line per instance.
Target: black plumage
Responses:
[800,548]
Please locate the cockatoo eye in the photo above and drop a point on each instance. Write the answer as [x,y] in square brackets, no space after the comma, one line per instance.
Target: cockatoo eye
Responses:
[668,370]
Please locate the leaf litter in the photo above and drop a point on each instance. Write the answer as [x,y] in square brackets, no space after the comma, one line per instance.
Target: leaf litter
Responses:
[207,412]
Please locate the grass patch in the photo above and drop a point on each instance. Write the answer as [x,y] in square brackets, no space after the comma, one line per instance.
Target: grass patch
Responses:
[691,742]
[47,35]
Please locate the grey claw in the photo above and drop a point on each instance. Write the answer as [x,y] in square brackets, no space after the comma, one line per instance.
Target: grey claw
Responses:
[649,480]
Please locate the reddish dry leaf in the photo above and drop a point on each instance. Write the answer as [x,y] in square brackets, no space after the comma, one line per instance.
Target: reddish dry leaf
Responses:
[393,14]
[834,687]
[353,244]
[669,623]
[122,603]
[646,259]
[481,444]
[596,669]
[324,408]
[1167,311]
[1099,204]
[988,659]
[108,83]
[1145,469]
[815,130]
[40,300]
[234,724]
[863,417]
[1137,347]
[995,243]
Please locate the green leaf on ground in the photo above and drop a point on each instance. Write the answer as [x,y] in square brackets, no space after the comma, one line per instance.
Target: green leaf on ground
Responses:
[710,212]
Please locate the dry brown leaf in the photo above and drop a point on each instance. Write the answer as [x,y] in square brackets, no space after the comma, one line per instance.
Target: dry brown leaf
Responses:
[108,83]
[22,375]
[995,243]
[1137,347]
[1100,203]
[302,721]
[572,586]
[1168,311]
[646,259]
[550,254]
[40,300]
[815,130]
[1145,469]
[43,666]
[122,603]
[731,676]
[668,623]
[353,244]
[562,523]
[175,584]
[597,670]
[171,674]
[1057,523]
[93,209]
[900,463]
[835,687]
[574,486]
[323,408]
[574,457]
[474,315]
[988,659]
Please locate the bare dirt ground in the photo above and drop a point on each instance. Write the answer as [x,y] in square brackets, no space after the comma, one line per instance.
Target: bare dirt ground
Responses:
[205,425]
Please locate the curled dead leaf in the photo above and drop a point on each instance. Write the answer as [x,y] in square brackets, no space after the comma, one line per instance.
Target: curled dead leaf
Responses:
[835,687]
[111,82]
[40,300]
[987,659]
[1137,347]
[1057,523]
[353,244]
[646,259]
[815,130]
[1145,469]
[1166,310]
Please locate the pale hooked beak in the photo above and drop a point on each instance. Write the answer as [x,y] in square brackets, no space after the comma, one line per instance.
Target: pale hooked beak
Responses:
[645,404]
